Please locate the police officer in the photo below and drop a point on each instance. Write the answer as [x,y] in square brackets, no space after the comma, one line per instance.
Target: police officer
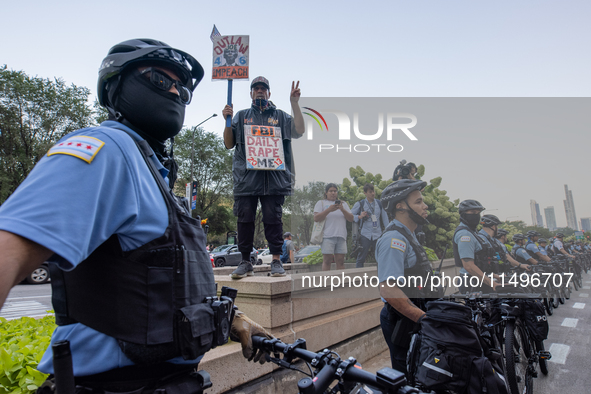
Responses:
[502,240]
[471,252]
[558,246]
[128,263]
[519,252]
[267,185]
[490,228]
[542,244]
[400,257]
[533,249]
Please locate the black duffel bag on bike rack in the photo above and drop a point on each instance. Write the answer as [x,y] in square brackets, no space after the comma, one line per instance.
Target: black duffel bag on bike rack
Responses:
[535,318]
[447,353]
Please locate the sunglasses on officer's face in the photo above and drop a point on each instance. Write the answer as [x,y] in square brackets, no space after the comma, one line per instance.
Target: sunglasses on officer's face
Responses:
[164,82]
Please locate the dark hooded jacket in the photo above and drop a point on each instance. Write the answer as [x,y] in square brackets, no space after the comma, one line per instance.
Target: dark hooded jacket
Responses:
[262,182]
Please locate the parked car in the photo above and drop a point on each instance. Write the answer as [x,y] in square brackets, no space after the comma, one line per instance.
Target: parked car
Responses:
[230,256]
[40,275]
[308,250]
[265,257]
[221,248]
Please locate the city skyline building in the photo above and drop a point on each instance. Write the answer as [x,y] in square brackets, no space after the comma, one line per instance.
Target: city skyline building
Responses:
[536,216]
[550,218]
[569,209]
[586,224]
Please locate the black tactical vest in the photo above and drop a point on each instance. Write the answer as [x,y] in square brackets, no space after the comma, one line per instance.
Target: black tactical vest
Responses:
[421,269]
[483,258]
[532,254]
[520,260]
[136,296]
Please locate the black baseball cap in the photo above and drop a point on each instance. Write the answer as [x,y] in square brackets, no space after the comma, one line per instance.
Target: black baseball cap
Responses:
[287,234]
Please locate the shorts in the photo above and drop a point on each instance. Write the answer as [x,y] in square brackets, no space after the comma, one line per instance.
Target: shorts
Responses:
[334,245]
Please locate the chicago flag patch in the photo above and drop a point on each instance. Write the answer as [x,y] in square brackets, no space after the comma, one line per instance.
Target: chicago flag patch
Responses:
[82,147]
[398,244]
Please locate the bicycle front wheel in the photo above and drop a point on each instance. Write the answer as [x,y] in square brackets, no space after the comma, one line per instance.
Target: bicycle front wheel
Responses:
[517,354]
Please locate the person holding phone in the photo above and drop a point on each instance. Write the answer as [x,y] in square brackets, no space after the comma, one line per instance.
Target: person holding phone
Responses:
[336,213]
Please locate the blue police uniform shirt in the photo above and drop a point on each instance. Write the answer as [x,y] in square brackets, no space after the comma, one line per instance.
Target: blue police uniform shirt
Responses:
[542,250]
[368,230]
[520,252]
[531,246]
[72,206]
[502,245]
[468,246]
[394,254]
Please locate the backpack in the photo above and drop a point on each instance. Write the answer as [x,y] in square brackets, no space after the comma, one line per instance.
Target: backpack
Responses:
[535,318]
[447,353]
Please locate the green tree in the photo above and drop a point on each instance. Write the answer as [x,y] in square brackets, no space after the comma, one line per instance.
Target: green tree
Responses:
[34,114]
[299,210]
[443,213]
[211,164]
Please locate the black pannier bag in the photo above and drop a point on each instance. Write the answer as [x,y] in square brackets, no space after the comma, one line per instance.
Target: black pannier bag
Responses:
[446,354]
[535,318]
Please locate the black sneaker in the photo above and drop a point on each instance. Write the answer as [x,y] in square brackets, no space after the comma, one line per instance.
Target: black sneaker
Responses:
[243,269]
[277,268]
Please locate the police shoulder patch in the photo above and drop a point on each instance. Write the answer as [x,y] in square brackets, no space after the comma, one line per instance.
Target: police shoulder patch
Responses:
[398,244]
[465,238]
[82,147]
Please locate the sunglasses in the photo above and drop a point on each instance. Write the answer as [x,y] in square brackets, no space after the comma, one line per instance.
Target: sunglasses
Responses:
[164,82]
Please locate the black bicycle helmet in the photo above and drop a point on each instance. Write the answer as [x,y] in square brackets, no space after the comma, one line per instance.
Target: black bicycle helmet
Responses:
[559,235]
[467,205]
[398,191]
[542,241]
[489,220]
[150,51]
[532,233]
[501,232]
[519,237]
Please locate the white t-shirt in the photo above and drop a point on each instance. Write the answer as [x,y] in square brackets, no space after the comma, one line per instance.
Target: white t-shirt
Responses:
[336,224]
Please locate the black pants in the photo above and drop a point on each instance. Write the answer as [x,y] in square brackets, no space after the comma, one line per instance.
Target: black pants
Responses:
[397,353]
[366,244]
[245,208]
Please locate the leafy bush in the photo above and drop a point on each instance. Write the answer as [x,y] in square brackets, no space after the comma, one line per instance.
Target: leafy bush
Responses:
[22,344]
[314,258]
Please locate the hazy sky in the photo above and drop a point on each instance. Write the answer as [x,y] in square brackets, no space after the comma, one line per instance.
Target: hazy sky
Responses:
[361,49]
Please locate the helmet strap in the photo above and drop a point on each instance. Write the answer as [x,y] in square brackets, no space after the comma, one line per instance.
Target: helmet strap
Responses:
[415,217]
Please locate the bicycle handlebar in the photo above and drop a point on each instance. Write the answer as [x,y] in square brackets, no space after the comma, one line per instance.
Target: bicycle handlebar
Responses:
[330,368]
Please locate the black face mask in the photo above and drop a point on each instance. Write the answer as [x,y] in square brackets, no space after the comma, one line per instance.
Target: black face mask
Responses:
[157,113]
[470,219]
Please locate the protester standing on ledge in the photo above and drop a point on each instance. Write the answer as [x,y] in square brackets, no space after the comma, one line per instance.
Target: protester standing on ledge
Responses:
[268,186]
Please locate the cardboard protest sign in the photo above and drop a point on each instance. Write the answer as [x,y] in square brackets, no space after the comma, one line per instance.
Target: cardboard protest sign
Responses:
[264,148]
[230,57]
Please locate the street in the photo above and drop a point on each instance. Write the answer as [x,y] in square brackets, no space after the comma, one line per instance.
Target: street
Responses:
[27,300]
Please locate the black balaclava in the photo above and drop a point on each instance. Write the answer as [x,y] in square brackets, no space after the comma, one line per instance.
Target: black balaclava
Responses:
[154,114]
[157,113]
[470,219]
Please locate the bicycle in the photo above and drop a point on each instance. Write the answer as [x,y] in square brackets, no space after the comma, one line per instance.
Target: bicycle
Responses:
[329,367]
